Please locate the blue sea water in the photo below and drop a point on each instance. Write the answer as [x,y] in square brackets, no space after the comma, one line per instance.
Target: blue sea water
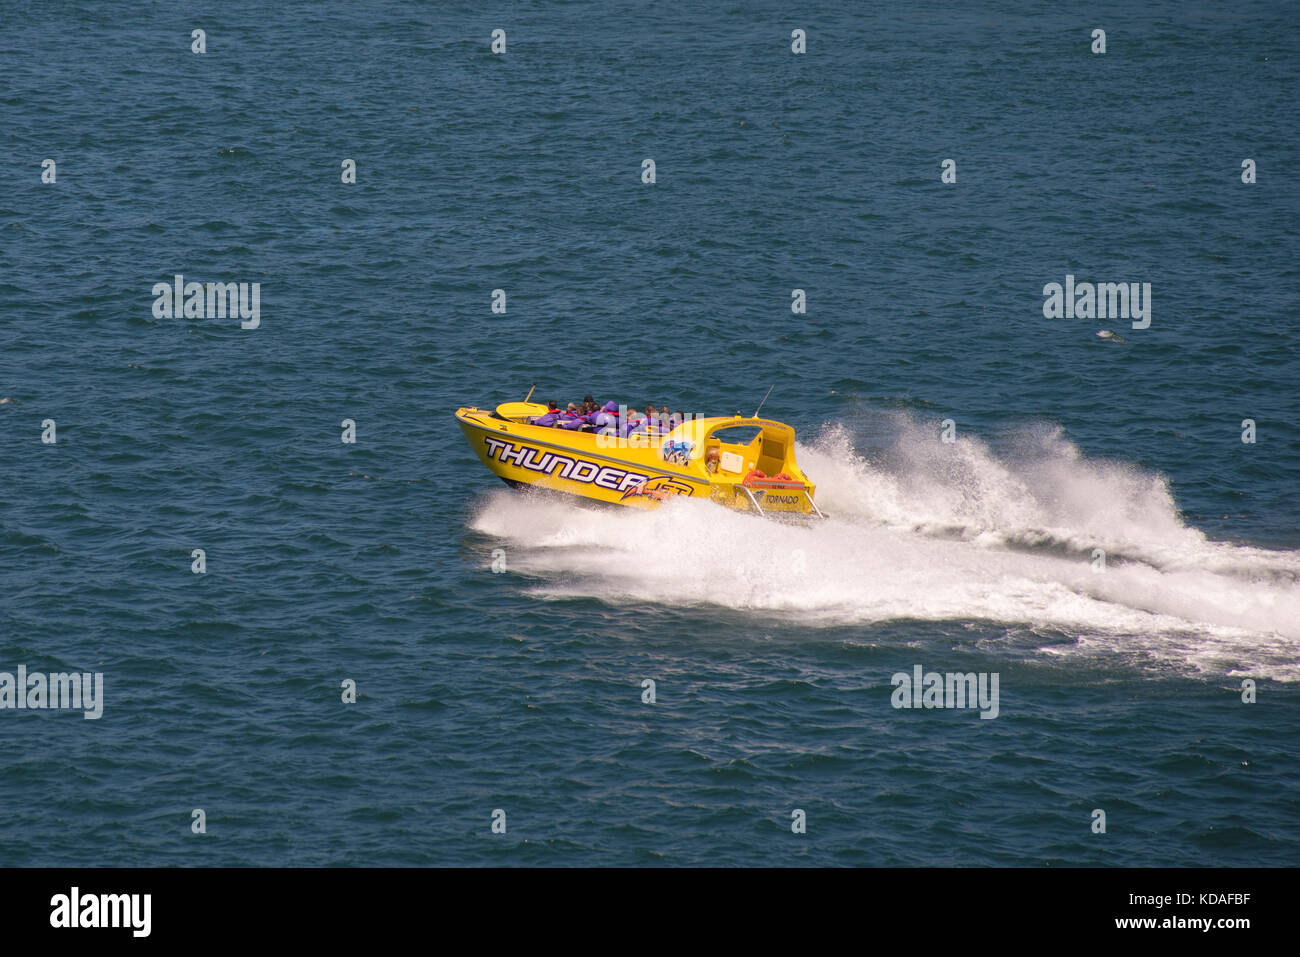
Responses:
[771,647]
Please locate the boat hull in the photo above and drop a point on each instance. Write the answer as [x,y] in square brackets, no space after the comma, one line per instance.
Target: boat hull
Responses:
[634,472]
[570,462]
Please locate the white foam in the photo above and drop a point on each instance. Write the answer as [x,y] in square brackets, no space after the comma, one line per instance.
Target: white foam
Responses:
[941,532]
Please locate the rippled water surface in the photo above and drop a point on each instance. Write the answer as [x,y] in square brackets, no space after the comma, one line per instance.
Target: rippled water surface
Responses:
[771,647]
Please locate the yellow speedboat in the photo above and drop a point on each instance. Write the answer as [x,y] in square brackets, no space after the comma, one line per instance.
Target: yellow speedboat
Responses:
[744,463]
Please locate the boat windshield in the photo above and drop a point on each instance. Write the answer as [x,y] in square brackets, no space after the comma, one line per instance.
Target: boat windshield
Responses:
[737,435]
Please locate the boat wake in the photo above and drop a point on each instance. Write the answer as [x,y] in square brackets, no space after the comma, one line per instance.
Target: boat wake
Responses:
[933,532]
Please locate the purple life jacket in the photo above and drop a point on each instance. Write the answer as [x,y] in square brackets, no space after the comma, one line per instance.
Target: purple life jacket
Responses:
[571,420]
[548,419]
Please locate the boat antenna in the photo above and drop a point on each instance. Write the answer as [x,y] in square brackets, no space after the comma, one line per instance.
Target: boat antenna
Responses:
[530,392]
[764,402]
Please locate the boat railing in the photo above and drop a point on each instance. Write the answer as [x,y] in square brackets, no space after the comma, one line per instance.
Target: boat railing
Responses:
[767,513]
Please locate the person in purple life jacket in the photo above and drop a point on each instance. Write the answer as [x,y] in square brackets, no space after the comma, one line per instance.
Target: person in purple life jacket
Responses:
[635,424]
[650,423]
[586,413]
[552,414]
[606,420]
[571,418]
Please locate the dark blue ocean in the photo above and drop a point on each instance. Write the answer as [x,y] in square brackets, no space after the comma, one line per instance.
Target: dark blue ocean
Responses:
[772,647]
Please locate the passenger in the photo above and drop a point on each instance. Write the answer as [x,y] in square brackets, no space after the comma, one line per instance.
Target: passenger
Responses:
[551,417]
[606,420]
[587,412]
[571,418]
[711,459]
[633,424]
[650,423]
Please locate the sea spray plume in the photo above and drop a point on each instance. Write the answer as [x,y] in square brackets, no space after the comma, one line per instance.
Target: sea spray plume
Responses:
[1037,489]
[1006,536]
